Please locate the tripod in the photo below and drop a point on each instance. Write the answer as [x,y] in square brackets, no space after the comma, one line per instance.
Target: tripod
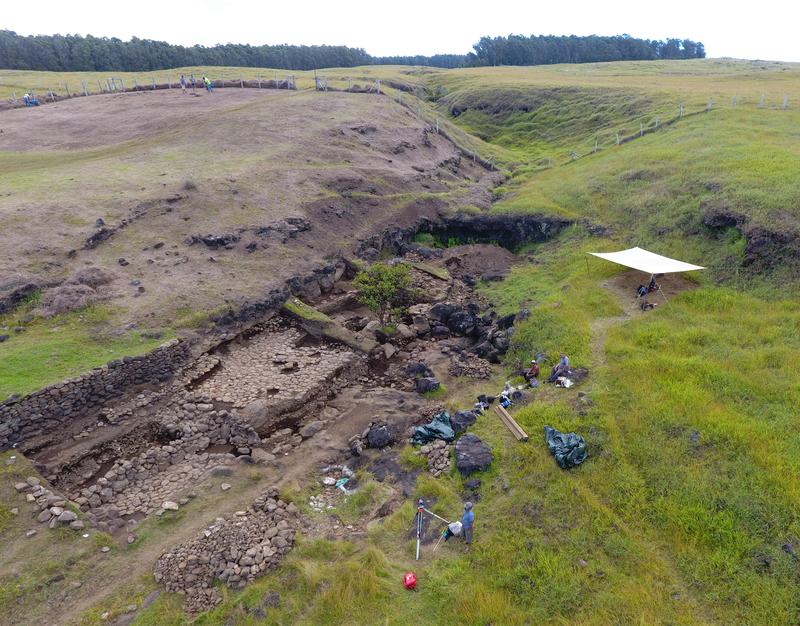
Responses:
[421,510]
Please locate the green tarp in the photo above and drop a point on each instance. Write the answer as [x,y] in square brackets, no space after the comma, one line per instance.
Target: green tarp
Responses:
[439,428]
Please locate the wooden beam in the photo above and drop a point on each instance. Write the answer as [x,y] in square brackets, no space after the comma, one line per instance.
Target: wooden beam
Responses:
[511,424]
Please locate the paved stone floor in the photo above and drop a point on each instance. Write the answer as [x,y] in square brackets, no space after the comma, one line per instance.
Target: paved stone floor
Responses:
[273,366]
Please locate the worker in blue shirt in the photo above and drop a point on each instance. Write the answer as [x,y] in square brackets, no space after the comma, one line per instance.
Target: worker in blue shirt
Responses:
[467,522]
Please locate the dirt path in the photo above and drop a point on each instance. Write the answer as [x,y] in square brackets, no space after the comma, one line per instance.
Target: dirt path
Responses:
[623,288]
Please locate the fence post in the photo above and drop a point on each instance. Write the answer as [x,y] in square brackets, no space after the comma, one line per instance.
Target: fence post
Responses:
[349,84]
[169,82]
[66,89]
[154,82]
[122,82]
[656,121]
[734,102]
[14,97]
[85,88]
[641,128]
[222,79]
[378,83]
[595,145]
[681,113]
[710,104]
[761,101]
[437,124]
[785,102]
[617,137]
[241,82]
[135,85]
[259,81]
[52,95]
[99,86]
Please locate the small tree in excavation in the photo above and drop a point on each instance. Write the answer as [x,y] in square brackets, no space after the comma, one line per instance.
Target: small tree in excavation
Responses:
[382,288]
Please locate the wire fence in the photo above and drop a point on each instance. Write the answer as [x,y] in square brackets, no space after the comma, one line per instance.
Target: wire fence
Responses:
[470,146]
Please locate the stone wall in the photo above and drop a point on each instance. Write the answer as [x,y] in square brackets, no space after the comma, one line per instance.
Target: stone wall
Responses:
[48,409]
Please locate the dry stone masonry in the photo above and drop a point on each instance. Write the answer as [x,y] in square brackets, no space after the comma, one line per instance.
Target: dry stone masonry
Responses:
[48,409]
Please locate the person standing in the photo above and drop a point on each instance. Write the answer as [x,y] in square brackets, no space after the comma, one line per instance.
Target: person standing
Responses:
[207,83]
[467,523]
[183,83]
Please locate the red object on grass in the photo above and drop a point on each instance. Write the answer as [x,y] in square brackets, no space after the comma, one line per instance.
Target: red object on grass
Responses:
[410,581]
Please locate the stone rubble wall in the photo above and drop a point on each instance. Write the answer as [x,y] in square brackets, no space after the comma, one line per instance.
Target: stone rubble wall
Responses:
[141,484]
[50,408]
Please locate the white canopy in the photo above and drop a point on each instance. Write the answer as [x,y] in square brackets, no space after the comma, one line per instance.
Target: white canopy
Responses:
[649,262]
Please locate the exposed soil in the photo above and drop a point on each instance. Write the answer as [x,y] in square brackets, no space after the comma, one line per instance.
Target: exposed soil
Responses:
[112,118]
[224,167]
[478,260]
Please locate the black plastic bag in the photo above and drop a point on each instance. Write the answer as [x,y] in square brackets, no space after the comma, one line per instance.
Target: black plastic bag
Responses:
[439,428]
[569,449]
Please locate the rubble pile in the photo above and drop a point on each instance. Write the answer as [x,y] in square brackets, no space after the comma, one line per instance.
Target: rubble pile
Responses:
[53,507]
[438,454]
[233,550]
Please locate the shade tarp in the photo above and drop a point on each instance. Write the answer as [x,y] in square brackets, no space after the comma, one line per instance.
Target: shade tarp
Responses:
[645,261]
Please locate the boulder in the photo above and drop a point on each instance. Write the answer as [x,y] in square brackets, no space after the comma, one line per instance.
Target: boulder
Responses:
[418,369]
[381,435]
[389,350]
[440,332]
[462,420]
[424,385]
[507,321]
[578,374]
[472,454]
[309,430]
[67,517]
[483,349]
[169,505]
[405,332]
[421,325]
[441,311]
[462,323]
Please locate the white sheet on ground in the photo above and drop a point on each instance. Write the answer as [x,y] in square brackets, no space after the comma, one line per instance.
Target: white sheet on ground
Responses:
[649,262]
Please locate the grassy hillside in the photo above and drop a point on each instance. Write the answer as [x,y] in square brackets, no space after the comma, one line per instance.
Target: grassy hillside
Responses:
[687,510]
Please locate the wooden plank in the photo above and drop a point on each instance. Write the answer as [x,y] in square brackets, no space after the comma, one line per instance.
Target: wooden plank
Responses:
[511,424]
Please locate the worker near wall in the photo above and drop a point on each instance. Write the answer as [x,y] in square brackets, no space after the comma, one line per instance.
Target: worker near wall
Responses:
[467,522]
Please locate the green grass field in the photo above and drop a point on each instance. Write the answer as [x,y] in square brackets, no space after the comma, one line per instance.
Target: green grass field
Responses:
[50,350]
[687,510]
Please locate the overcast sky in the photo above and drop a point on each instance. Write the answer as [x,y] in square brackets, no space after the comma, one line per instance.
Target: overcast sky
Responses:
[752,30]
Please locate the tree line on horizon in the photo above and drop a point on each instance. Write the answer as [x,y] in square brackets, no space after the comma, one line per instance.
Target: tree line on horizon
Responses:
[70,53]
